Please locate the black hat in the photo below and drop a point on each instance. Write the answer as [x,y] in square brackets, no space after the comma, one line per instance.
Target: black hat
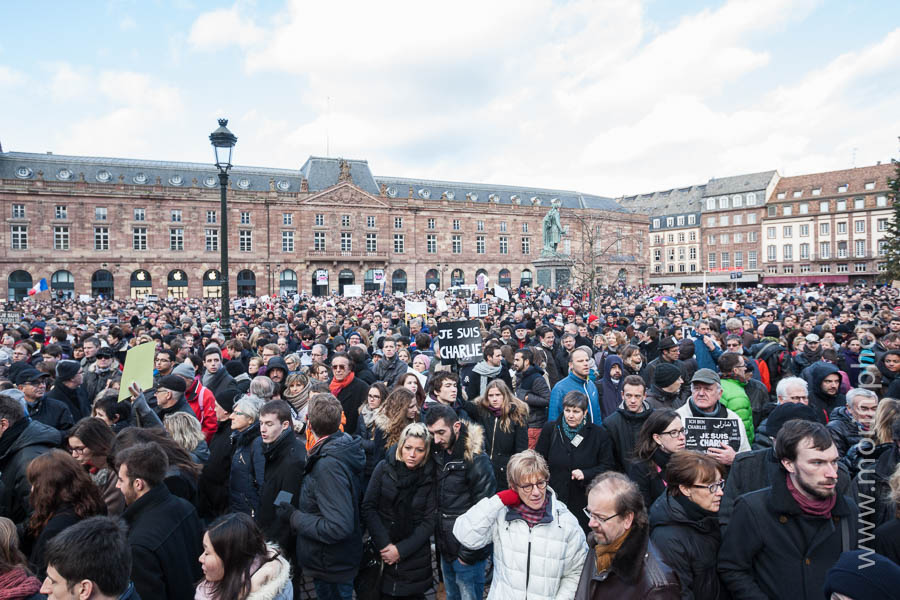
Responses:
[67,369]
[786,412]
[879,579]
[235,368]
[173,383]
[666,374]
[771,330]
[226,398]
[667,342]
[28,374]
[105,351]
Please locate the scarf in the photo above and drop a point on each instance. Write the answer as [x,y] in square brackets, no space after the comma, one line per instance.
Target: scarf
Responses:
[719,411]
[497,412]
[530,515]
[368,414]
[409,481]
[607,552]
[812,356]
[817,508]
[571,432]
[487,372]
[17,583]
[694,511]
[10,436]
[336,386]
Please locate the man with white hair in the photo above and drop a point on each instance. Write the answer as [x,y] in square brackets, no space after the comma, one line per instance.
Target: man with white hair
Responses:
[849,422]
[790,390]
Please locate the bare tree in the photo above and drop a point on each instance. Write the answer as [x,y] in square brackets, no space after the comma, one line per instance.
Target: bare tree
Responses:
[594,249]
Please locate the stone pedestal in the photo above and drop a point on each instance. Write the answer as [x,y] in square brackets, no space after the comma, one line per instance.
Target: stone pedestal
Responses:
[554,271]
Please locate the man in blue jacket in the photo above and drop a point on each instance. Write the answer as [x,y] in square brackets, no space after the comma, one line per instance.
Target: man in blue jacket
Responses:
[577,380]
[706,350]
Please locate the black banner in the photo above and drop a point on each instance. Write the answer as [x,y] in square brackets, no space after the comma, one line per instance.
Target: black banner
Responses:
[709,432]
[459,341]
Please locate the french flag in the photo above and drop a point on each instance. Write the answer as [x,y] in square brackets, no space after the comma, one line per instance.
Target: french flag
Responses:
[40,286]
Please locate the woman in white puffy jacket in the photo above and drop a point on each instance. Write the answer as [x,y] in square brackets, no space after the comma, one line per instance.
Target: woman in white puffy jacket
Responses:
[539,548]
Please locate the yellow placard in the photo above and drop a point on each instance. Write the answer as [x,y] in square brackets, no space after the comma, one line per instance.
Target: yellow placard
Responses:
[138,367]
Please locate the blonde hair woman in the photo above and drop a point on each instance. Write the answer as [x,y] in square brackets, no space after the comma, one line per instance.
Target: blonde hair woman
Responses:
[185,430]
[505,421]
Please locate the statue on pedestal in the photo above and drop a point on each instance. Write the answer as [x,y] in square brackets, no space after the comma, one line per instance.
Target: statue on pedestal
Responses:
[552,230]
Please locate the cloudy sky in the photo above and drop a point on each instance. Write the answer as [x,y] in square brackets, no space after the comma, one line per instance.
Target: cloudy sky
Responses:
[610,97]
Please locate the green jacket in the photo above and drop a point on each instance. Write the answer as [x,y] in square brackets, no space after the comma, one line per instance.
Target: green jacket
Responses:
[735,398]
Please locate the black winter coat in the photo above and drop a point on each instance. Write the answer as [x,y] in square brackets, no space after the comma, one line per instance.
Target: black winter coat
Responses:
[623,427]
[76,400]
[499,445]
[592,455]
[465,476]
[765,553]
[248,467]
[166,538]
[351,398]
[372,440]
[756,470]
[689,546]
[877,485]
[212,486]
[285,462]
[52,412]
[25,443]
[532,389]
[649,475]
[887,539]
[843,429]
[327,522]
[63,518]
[659,398]
[470,380]
[405,518]
[219,382]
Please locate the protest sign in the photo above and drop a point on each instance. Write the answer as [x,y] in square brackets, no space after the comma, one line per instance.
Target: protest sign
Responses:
[352,291]
[501,293]
[416,308]
[477,311]
[378,276]
[138,367]
[710,432]
[442,305]
[459,341]
[8,317]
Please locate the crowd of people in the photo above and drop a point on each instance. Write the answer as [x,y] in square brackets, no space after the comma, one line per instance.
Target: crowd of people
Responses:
[320,445]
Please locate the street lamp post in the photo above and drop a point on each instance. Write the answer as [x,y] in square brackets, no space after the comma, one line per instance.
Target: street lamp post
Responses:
[223,142]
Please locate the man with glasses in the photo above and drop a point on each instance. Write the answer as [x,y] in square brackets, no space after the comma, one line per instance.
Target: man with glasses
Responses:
[622,562]
[706,391]
[49,411]
[100,371]
[350,391]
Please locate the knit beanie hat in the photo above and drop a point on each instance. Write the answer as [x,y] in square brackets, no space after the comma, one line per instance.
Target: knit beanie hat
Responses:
[869,577]
[185,369]
[235,368]
[771,330]
[666,374]
[67,369]
[227,397]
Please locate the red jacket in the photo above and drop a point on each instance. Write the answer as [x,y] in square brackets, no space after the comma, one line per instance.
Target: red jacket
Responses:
[203,403]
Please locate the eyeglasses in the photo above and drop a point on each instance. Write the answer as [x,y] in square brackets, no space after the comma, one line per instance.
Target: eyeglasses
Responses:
[38,383]
[242,414]
[797,398]
[712,487]
[528,487]
[78,449]
[339,367]
[674,433]
[594,517]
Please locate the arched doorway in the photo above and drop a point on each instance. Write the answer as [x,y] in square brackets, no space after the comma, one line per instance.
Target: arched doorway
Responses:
[369,284]
[345,277]
[102,284]
[246,283]
[177,284]
[287,283]
[622,277]
[504,278]
[320,282]
[62,284]
[398,281]
[432,278]
[457,277]
[141,284]
[212,284]
[525,280]
[19,283]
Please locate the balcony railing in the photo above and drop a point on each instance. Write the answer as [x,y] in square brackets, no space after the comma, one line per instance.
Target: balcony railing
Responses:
[347,254]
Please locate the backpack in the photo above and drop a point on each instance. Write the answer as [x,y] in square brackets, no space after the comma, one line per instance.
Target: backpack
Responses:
[773,367]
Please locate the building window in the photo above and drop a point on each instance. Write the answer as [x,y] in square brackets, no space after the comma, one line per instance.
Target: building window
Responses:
[319,241]
[19,237]
[842,188]
[502,226]
[771,252]
[804,268]
[710,204]
[671,254]
[101,238]
[681,238]
[751,199]
[787,231]
[841,227]
[431,225]
[842,249]
[817,191]
[726,260]
[859,203]
[692,253]
[882,224]
[479,226]
[526,246]
[723,202]
[431,243]
[859,267]
[770,233]
[803,208]
[657,269]
[670,221]
[287,241]
[798,193]
[711,260]
[139,238]
[371,242]
[751,219]
[752,236]
[882,247]
[345,220]
[211,217]
[723,238]
[870,185]
[100,213]
[841,205]
[479,244]
[738,238]
[456,244]
[657,254]
[859,226]
[140,214]
[824,249]
[398,241]
[18,211]
[320,220]
[788,252]
[524,227]
[804,251]
[655,223]
[455,224]
[692,236]
[62,212]
[669,238]
[825,268]
[860,247]
[789,269]
[346,241]
[176,238]
[804,230]
[772,269]
[882,267]
[245,217]
[692,219]
[771,210]
[398,222]
[723,220]
[504,245]
[737,201]
[881,201]
[710,221]
[657,239]
[842,268]
[693,268]
[782,195]
[751,259]
[212,240]
[738,219]
[711,240]
[176,215]
[824,229]
[739,259]
[671,268]
[824,207]
[287,218]
[370,222]
[245,240]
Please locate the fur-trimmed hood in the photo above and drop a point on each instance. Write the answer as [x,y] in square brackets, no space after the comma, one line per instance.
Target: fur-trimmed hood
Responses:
[272,578]
[472,436]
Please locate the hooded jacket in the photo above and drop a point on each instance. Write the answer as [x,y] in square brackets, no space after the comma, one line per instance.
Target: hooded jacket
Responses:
[843,429]
[611,391]
[570,383]
[327,522]
[540,563]
[822,403]
[734,397]
[532,389]
[95,379]
[25,443]
[623,427]
[890,380]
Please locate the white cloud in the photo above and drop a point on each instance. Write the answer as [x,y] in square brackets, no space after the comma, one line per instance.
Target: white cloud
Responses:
[127,24]
[219,28]
[67,82]
[10,77]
